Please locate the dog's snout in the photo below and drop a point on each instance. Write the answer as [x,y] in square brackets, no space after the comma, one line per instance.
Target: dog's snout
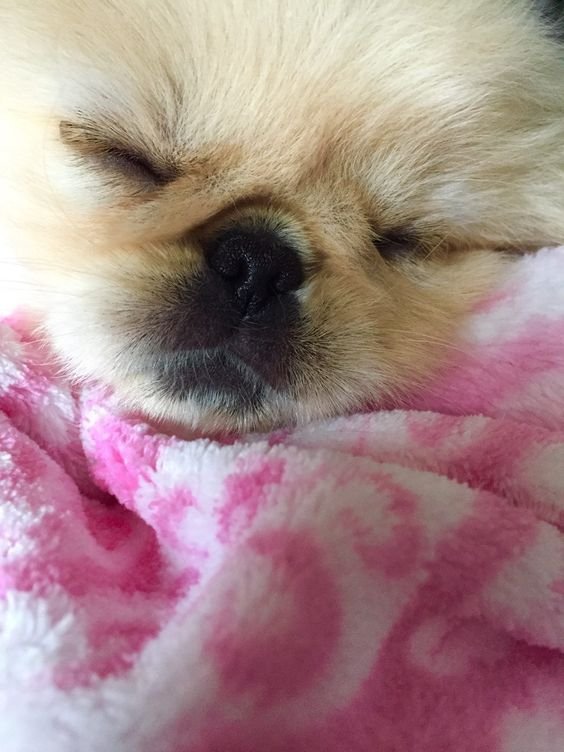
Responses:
[256,265]
[237,314]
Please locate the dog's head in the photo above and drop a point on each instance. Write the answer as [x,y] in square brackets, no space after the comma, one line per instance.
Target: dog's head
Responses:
[256,212]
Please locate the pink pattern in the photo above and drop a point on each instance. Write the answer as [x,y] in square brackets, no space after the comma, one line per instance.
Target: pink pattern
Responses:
[258,653]
[245,492]
[387,581]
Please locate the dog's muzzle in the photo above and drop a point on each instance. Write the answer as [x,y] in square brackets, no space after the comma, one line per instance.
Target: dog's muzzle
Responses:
[231,331]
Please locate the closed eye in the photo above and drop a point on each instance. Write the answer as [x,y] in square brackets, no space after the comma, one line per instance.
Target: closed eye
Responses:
[135,166]
[395,244]
[116,156]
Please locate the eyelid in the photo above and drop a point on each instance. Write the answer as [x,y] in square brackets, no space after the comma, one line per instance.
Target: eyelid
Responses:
[87,141]
[395,243]
[136,165]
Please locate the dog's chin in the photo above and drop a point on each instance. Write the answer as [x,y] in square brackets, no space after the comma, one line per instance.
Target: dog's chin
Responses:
[211,391]
[217,378]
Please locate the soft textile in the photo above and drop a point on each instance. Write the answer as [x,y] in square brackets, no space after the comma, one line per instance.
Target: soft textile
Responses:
[386,582]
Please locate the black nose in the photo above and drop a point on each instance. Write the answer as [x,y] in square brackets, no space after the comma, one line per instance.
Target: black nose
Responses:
[257,264]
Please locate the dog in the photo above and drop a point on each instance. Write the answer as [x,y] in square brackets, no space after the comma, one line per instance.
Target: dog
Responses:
[248,213]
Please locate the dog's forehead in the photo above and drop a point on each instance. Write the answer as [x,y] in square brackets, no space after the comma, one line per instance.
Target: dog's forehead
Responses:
[273,90]
[188,82]
[200,72]
[286,81]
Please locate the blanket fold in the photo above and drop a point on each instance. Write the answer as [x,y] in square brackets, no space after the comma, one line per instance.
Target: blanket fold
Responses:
[388,581]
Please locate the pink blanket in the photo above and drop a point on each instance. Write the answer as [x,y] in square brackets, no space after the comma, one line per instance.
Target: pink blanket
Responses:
[392,581]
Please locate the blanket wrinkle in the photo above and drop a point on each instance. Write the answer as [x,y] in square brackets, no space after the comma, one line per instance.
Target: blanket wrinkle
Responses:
[392,580]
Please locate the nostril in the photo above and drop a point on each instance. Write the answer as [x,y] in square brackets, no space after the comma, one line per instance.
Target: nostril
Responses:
[257,264]
[290,278]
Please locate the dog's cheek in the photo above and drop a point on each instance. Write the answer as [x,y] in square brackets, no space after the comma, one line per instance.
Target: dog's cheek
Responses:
[340,352]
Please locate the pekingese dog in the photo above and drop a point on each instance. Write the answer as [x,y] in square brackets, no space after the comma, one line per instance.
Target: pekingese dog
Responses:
[243,213]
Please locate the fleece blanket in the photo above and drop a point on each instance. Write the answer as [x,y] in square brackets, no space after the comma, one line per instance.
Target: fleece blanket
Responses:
[385,582]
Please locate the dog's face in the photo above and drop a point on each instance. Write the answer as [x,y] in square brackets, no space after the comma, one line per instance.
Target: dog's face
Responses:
[255,212]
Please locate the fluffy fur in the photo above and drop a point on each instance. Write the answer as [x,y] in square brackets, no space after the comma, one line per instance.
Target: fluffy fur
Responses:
[129,128]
